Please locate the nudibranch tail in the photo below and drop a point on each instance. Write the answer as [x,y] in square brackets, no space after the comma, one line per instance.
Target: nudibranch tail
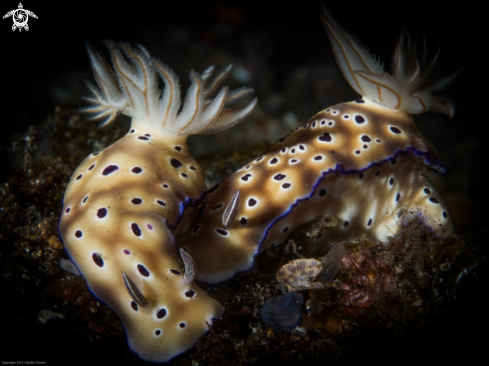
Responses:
[411,84]
[130,87]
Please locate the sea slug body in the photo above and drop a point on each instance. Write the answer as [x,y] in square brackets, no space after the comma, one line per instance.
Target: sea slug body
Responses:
[123,203]
[364,162]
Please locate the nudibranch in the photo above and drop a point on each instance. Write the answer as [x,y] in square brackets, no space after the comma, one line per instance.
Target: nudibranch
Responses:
[123,203]
[364,162]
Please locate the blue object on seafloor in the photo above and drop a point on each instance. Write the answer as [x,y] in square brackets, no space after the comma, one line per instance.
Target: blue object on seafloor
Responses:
[283,313]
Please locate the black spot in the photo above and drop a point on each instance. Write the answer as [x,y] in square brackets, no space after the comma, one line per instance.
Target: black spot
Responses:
[143,138]
[174,271]
[133,130]
[377,173]
[259,159]
[301,147]
[161,203]
[78,234]
[393,161]
[274,161]
[330,123]
[395,130]
[178,148]
[182,325]
[137,201]
[134,306]
[286,185]
[102,212]
[192,168]
[142,269]
[279,176]
[213,188]
[126,252]
[318,157]
[326,137]
[313,124]
[360,176]
[346,116]
[161,313]
[91,167]
[305,125]
[285,229]
[365,138]
[110,169]
[246,177]
[292,151]
[391,181]
[95,154]
[369,222]
[346,223]
[222,232]
[184,175]
[243,221]
[284,150]
[360,101]
[135,229]
[196,228]
[378,141]
[357,152]
[359,119]
[328,110]
[147,134]
[157,332]
[175,163]
[398,197]
[365,146]
[79,177]
[434,200]
[137,170]
[252,202]
[427,190]
[165,185]
[97,259]
[322,192]
[293,161]
[68,210]
[445,215]
[323,122]
[217,207]
[85,199]
[190,293]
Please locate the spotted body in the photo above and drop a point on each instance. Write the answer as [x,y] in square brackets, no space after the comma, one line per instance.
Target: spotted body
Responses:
[122,204]
[364,162]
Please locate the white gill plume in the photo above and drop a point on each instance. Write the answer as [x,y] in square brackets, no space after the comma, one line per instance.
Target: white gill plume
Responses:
[412,82]
[130,87]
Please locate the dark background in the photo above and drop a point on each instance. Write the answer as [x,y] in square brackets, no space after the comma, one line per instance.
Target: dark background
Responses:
[45,67]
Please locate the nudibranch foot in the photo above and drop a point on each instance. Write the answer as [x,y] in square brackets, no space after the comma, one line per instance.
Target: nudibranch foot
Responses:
[123,203]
